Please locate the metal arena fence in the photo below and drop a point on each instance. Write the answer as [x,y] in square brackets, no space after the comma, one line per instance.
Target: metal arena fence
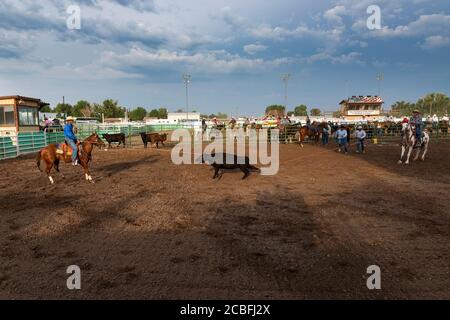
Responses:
[28,142]
[25,143]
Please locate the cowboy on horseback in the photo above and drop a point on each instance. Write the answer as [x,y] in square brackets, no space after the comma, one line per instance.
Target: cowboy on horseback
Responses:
[417,122]
[71,139]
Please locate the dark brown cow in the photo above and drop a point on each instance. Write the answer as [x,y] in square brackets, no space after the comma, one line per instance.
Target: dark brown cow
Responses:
[243,164]
[153,138]
[115,137]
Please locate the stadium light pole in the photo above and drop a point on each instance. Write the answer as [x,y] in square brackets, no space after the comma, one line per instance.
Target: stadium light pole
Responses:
[186,80]
[285,77]
[380,77]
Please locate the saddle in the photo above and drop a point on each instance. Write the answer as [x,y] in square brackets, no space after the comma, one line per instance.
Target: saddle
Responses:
[64,148]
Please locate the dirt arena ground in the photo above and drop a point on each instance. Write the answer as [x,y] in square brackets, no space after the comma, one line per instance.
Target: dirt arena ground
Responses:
[149,229]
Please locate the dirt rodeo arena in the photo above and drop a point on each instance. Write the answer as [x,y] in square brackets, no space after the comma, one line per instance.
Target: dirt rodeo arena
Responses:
[150,229]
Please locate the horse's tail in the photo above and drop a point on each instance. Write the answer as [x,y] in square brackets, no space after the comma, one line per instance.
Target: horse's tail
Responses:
[38,160]
[251,167]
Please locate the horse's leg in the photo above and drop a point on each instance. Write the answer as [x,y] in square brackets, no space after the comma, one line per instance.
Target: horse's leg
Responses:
[49,166]
[56,164]
[425,150]
[220,174]
[403,153]
[410,149]
[216,172]
[87,174]
[417,153]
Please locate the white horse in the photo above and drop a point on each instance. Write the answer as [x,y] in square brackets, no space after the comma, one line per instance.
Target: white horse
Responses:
[409,141]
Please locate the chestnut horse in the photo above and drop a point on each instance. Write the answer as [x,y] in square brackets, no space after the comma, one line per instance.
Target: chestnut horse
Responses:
[52,155]
[312,132]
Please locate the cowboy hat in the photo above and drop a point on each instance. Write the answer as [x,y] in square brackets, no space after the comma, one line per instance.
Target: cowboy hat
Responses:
[70,118]
[416,111]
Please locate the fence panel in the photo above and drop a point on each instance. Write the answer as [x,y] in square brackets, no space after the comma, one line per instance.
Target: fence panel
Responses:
[27,142]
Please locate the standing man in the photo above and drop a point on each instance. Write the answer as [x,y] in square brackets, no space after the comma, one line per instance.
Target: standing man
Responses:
[360,137]
[326,134]
[341,135]
[71,139]
[436,124]
[204,125]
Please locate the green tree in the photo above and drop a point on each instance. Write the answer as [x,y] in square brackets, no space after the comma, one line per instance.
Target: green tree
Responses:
[63,109]
[337,114]
[154,113]
[315,112]
[290,113]
[82,109]
[137,114]
[162,113]
[276,110]
[46,109]
[402,108]
[221,115]
[301,111]
[109,108]
[434,103]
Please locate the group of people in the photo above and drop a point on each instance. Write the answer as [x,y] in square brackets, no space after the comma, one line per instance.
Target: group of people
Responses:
[342,138]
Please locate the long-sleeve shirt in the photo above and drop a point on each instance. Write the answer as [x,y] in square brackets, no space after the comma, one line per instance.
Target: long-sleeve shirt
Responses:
[360,134]
[68,132]
[417,121]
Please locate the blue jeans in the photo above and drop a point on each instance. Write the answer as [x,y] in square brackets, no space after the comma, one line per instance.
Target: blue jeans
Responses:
[325,138]
[343,143]
[74,147]
[360,145]
[418,132]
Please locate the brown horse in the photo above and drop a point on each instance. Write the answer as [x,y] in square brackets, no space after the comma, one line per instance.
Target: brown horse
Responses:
[312,132]
[53,154]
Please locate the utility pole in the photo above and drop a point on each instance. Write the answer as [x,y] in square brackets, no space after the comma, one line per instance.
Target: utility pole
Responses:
[431,103]
[186,80]
[380,77]
[285,77]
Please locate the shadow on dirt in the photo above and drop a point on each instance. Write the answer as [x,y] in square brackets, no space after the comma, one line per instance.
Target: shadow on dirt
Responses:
[116,168]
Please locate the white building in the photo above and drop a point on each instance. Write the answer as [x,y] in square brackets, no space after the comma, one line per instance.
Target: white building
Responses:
[183,116]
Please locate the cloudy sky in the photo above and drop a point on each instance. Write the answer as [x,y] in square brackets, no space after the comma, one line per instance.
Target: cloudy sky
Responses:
[135,51]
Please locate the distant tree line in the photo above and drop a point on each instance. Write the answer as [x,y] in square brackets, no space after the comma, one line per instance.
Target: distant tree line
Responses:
[432,103]
[299,111]
[108,108]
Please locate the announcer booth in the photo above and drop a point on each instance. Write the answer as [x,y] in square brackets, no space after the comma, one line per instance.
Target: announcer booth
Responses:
[19,114]
[19,126]
[362,108]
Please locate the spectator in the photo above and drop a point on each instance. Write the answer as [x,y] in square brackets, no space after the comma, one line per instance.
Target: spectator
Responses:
[435,122]
[325,134]
[379,130]
[341,136]
[360,137]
